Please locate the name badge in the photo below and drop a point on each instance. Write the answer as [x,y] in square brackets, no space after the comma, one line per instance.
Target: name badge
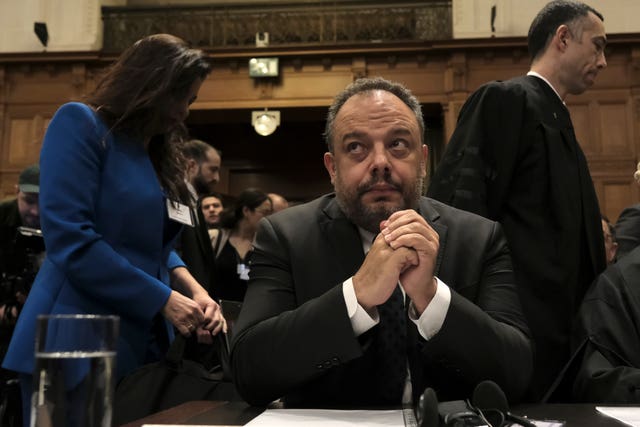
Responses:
[180,213]
[243,271]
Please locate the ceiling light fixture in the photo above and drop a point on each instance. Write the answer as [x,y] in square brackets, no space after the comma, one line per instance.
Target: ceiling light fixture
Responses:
[265,122]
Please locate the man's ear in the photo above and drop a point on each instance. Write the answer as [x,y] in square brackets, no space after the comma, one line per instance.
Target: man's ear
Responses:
[330,165]
[192,166]
[562,35]
[17,188]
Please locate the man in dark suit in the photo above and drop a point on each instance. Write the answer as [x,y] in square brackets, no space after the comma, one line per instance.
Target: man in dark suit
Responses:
[314,323]
[514,158]
[203,173]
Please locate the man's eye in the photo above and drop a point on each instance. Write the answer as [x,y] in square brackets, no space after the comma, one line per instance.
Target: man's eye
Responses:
[354,147]
[399,148]
[399,145]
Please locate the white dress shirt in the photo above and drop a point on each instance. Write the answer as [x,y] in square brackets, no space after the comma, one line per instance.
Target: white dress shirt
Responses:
[429,323]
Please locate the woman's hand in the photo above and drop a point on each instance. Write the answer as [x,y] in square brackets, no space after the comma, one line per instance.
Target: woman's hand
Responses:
[214,321]
[183,312]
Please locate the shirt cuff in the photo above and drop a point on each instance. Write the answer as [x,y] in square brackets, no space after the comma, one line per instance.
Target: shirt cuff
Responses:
[361,321]
[432,318]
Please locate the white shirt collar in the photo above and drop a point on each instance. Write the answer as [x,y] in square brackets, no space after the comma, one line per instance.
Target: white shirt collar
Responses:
[538,75]
[367,239]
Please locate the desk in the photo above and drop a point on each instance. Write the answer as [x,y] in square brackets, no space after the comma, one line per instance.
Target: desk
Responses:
[203,412]
[575,414]
[239,413]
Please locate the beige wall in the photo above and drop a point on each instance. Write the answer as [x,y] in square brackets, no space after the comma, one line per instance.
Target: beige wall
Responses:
[76,25]
[472,18]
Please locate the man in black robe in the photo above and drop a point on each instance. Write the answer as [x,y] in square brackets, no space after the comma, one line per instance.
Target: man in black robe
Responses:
[608,336]
[628,230]
[514,158]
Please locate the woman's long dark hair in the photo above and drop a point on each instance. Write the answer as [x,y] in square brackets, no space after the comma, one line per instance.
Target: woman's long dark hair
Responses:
[136,92]
[250,198]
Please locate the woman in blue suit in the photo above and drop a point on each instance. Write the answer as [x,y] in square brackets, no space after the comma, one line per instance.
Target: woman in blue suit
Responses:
[111,178]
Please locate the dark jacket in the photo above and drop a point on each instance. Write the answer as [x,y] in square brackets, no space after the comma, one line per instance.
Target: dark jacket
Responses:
[514,158]
[294,337]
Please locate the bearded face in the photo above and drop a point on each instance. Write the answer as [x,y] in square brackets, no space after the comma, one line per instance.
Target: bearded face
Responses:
[369,215]
[378,161]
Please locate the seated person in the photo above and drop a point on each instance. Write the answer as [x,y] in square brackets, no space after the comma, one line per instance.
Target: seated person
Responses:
[608,336]
[335,317]
[627,230]
[628,225]
[610,241]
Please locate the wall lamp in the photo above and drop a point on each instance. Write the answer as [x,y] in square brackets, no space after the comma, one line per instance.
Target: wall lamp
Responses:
[265,122]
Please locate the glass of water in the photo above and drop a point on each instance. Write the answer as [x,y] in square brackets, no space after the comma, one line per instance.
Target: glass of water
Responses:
[74,375]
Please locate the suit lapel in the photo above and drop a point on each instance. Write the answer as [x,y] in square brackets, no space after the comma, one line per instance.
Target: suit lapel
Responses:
[432,216]
[343,238]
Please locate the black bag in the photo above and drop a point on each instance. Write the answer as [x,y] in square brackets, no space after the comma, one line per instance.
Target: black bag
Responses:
[167,383]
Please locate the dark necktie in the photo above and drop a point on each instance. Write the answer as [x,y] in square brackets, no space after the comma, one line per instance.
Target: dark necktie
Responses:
[392,347]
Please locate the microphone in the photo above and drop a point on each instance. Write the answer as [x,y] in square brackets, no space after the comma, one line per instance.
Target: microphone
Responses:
[489,395]
[489,398]
[427,409]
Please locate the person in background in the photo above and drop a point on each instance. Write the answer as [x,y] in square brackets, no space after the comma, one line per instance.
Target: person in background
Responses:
[203,167]
[202,175]
[610,242]
[279,202]
[211,206]
[606,364]
[21,254]
[369,295]
[112,190]
[234,242]
[628,225]
[21,249]
[514,158]
[24,209]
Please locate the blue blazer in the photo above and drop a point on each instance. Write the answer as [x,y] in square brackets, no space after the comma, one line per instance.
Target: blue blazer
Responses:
[107,234]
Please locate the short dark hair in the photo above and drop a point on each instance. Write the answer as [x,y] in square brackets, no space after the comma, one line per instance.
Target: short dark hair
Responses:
[368,85]
[547,21]
[211,194]
[197,150]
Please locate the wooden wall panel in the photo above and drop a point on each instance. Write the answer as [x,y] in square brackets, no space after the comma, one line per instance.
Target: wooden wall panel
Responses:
[614,196]
[26,136]
[616,130]
[606,117]
[582,125]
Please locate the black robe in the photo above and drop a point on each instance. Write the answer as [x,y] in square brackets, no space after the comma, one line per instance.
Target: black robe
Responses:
[608,336]
[514,158]
[628,230]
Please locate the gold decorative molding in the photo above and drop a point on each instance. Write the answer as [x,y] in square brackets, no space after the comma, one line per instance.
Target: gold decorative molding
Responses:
[314,23]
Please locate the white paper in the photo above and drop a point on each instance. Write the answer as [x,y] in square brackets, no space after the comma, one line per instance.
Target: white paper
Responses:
[626,414]
[327,418]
